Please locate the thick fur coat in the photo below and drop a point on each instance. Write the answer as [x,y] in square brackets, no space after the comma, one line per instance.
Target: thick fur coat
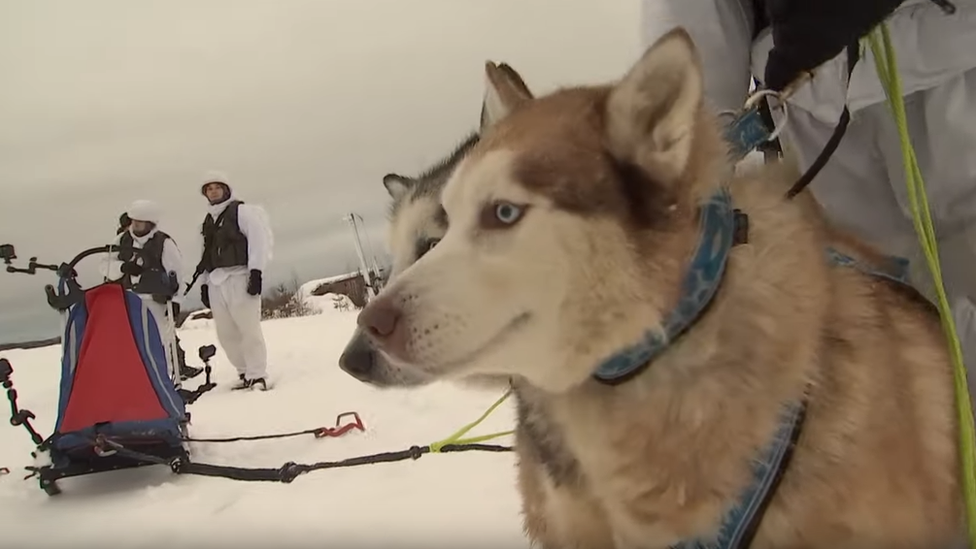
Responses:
[570,226]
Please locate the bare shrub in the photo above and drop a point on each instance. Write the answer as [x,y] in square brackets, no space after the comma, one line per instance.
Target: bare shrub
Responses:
[285,301]
[342,303]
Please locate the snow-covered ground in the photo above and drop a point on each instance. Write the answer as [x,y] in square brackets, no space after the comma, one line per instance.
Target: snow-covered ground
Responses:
[440,500]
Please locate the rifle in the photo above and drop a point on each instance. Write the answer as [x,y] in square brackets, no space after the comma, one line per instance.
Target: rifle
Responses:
[196,274]
[202,266]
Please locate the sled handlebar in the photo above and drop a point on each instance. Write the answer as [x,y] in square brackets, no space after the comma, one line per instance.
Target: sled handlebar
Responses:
[65,270]
[163,285]
[107,248]
[69,291]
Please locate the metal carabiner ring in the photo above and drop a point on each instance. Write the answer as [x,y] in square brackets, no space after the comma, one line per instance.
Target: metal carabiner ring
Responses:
[759,94]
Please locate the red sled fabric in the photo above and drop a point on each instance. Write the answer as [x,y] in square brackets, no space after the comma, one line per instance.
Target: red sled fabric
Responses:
[111,382]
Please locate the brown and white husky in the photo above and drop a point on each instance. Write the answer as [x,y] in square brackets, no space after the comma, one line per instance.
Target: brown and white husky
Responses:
[671,361]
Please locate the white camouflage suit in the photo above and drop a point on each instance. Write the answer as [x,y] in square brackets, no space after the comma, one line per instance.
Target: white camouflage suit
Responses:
[862,187]
[237,314]
[172,260]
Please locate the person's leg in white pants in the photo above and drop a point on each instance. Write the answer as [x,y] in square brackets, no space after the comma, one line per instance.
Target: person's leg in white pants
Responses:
[167,331]
[247,314]
[228,335]
[243,312]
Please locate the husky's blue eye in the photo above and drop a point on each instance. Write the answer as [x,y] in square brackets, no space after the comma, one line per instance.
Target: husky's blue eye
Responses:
[501,215]
[507,213]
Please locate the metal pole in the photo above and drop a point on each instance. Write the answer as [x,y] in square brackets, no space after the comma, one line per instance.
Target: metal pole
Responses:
[369,244]
[362,258]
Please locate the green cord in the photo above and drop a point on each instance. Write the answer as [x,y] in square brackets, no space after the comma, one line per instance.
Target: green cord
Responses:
[884,57]
[435,447]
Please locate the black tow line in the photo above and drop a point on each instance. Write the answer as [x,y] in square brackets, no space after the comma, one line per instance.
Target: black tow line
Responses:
[316,431]
[291,470]
[319,432]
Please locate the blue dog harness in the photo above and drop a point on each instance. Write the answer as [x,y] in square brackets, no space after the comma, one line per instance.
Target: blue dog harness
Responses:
[721,228]
[718,230]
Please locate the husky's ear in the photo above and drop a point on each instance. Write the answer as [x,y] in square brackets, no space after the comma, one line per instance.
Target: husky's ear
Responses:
[397,185]
[504,91]
[651,112]
[515,80]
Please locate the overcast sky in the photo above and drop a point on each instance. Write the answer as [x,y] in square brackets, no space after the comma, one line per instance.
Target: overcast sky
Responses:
[305,104]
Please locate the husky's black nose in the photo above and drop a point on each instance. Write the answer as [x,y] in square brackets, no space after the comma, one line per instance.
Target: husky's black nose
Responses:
[359,358]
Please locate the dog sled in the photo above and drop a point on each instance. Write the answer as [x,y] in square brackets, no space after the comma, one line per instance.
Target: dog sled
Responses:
[120,384]
[122,404]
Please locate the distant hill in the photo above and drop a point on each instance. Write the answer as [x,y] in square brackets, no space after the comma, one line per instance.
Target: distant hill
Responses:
[30,344]
[34,344]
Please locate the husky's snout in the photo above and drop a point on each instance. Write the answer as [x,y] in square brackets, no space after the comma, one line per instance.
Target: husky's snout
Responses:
[359,358]
[382,323]
[362,360]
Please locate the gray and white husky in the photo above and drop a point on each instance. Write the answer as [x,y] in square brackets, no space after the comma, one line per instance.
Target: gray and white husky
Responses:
[417,223]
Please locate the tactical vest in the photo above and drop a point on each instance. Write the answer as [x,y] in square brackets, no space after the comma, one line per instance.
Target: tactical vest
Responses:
[154,280]
[224,245]
[152,253]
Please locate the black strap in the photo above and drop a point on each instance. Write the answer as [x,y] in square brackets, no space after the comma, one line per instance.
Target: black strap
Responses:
[853,56]
[755,521]
[291,470]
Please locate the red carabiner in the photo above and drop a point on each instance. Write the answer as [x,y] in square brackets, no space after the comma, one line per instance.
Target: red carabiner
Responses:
[338,430]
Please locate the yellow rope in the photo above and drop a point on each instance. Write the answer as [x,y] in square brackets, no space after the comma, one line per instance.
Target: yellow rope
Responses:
[455,438]
[886,65]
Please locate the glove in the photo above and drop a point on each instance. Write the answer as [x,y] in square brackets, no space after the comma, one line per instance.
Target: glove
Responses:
[807,34]
[254,283]
[205,295]
[131,269]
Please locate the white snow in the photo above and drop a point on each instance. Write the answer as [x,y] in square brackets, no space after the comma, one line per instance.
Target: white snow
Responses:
[327,303]
[440,500]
